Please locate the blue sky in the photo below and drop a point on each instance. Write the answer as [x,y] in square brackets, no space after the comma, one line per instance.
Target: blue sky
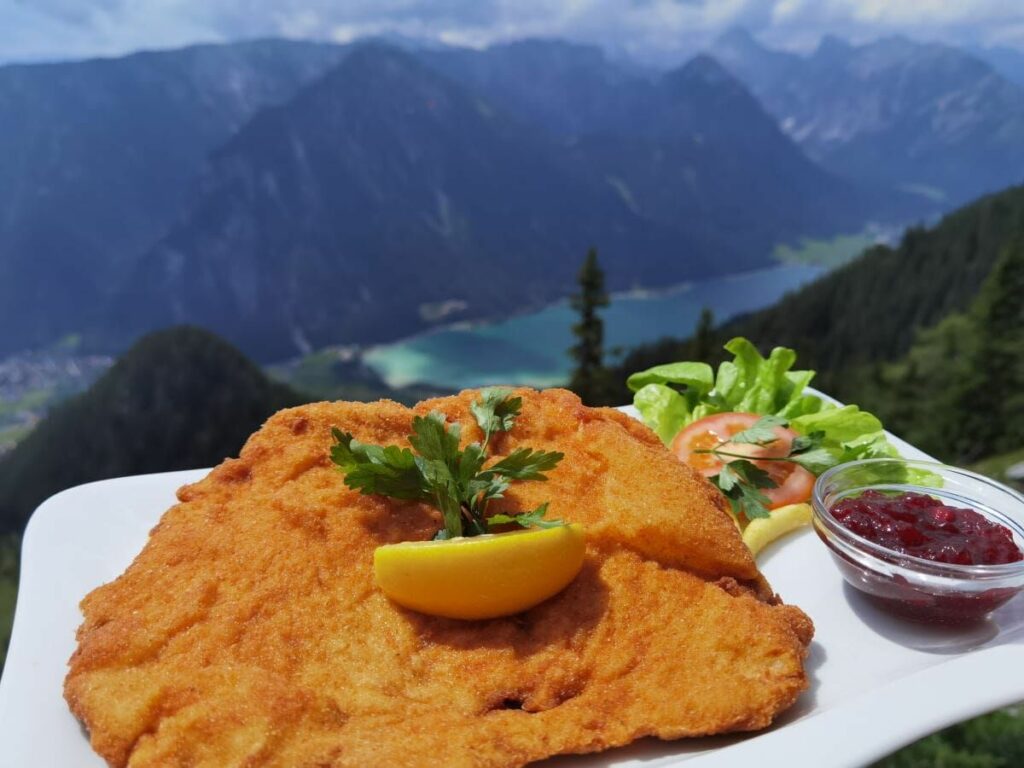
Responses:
[654,31]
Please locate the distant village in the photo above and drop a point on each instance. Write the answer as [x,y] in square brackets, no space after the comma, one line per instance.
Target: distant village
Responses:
[33,382]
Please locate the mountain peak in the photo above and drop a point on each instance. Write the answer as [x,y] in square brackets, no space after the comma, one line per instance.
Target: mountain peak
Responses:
[378,78]
[140,402]
[551,46]
[893,111]
[832,44]
[703,97]
[703,68]
[739,38]
[375,56]
[704,79]
[895,42]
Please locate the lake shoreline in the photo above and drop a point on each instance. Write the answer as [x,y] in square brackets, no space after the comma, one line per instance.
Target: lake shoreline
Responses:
[630,294]
[530,347]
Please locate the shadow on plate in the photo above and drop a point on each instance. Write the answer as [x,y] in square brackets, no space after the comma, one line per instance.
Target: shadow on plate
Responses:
[648,752]
[807,704]
[1004,626]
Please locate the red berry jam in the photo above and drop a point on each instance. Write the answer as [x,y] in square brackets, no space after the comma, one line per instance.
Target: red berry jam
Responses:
[923,526]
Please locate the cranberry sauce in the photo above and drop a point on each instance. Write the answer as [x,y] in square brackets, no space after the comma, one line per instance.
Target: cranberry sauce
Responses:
[923,526]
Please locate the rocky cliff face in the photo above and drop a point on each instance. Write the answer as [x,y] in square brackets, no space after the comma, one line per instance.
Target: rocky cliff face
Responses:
[99,158]
[926,117]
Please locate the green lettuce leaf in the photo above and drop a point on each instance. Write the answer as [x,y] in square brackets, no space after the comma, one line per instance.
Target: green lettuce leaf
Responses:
[848,434]
[663,409]
[697,378]
[670,397]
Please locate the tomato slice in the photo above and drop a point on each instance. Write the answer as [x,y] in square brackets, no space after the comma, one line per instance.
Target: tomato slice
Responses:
[794,483]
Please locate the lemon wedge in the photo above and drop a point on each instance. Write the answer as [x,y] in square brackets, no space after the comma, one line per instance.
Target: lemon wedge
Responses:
[480,577]
[764,530]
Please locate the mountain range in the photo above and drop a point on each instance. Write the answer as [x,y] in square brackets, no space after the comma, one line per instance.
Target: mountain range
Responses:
[1008,62]
[387,163]
[99,157]
[381,192]
[925,117]
[290,195]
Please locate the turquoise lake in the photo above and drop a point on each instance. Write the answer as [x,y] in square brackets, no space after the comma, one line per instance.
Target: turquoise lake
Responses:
[531,348]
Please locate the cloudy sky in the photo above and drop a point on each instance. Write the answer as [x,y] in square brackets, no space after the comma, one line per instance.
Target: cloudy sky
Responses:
[656,31]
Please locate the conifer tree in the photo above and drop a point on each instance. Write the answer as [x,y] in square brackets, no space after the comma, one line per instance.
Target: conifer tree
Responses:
[959,393]
[590,377]
[703,336]
[993,403]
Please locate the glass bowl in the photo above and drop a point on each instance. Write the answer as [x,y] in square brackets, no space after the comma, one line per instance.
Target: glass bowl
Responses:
[910,586]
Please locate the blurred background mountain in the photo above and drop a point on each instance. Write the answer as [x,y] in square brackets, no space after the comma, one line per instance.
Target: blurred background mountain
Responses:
[257,188]
[923,117]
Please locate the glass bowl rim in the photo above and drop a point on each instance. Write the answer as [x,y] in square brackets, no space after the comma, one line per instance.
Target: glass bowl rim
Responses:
[823,515]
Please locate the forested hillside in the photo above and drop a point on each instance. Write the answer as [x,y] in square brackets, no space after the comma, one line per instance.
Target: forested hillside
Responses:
[929,334]
[873,308]
[959,392]
[179,399]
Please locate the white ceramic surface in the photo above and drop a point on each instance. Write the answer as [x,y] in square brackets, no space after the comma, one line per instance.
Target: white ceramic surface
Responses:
[877,683]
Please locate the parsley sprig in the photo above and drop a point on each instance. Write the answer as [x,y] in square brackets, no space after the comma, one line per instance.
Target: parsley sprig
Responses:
[741,480]
[439,473]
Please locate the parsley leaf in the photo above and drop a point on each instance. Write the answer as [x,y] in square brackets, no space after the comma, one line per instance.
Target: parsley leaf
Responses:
[388,471]
[453,480]
[444,491]
[527,464]
[526,519]
[435,440]
[485,488]
[740,482]
[470,462]
[804,443]
[809,452]
[726,478]
[495,411]
[761,432]
[752,474]
[751,502]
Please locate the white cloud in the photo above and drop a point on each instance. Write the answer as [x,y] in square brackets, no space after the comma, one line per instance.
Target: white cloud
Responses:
[654,30]
[63,29]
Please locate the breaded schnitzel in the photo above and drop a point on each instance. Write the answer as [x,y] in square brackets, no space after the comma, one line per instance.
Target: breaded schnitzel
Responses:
[249,631]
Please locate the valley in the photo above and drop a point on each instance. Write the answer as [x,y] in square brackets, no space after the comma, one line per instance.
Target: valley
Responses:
[531,348]
[292,196]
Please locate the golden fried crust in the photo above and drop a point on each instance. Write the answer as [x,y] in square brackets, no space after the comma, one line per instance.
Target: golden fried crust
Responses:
[248,632]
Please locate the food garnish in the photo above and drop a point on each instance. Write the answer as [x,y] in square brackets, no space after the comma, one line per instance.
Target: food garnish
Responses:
[466,572]
[439,473]
[763,531]
[755,461]
[752,429]
[480,577]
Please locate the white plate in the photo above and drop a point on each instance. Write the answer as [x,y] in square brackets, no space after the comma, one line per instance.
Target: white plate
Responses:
[877,683]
